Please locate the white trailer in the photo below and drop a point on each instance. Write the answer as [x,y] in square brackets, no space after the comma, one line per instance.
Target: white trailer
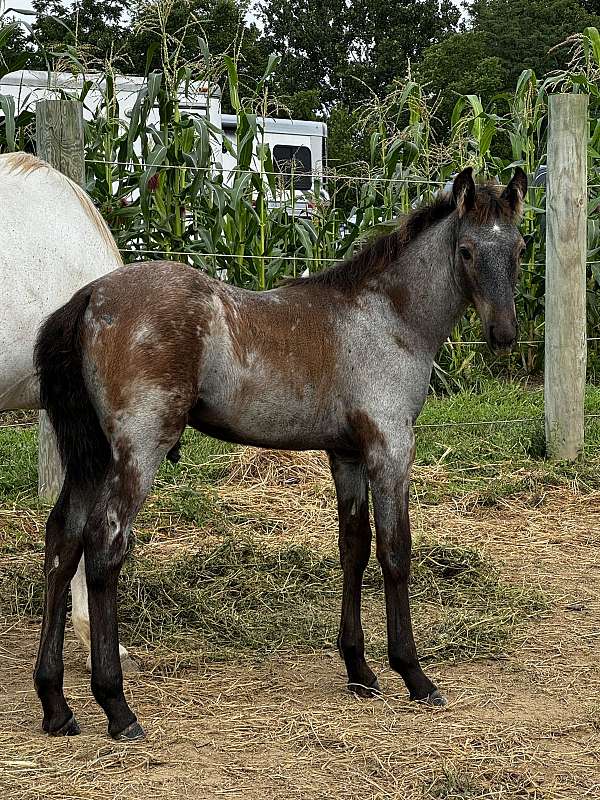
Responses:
[298,147]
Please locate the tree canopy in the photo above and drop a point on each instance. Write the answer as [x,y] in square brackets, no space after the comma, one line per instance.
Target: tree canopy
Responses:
[500,39]
[95,26]
[342,51]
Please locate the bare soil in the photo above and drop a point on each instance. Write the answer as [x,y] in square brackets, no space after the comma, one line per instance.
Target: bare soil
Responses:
[527,726]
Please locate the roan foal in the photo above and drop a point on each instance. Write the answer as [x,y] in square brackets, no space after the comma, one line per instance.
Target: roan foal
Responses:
[338,361]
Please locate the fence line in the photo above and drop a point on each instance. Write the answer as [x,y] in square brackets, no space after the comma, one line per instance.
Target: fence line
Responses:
[233,256]
[328,176]
[298,174]
[515,421]
[452,343]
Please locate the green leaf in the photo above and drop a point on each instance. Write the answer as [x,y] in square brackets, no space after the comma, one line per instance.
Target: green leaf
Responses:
[7,104]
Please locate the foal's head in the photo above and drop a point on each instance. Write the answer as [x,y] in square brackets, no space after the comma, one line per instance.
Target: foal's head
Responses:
[488,250]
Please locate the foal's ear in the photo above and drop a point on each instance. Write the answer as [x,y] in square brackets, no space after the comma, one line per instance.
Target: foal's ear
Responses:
[516,191]
[463,190]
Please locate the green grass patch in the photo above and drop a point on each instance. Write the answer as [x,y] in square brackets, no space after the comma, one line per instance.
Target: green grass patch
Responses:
[500,459]
[18,466]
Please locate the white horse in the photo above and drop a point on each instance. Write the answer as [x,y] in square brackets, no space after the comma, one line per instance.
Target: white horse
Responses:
[54,241]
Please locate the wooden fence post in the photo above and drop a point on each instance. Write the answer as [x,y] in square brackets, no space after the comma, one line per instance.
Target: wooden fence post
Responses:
[566,254]
[60,142]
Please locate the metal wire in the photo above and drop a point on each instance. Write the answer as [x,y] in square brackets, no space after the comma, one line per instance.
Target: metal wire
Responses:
[328,176]
[478,422]
[451,343]
[298,174]
[515,421]
[232,255]
[301,258]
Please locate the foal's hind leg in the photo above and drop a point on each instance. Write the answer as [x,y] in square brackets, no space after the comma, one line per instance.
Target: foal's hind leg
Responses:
[105,540]
[351,486]
[79,597]
[62,552]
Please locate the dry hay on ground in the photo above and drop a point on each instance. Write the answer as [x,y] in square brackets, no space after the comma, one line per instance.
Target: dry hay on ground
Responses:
[525,726]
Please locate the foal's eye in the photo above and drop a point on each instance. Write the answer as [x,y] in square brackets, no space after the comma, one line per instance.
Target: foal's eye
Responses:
[465,253]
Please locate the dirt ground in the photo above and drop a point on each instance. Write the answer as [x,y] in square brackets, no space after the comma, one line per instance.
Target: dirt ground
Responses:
[527,726]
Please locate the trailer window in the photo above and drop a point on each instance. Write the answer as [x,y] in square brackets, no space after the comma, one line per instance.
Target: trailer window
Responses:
[296,160]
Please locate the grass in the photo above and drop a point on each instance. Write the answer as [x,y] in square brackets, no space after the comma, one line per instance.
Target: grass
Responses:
[491,462]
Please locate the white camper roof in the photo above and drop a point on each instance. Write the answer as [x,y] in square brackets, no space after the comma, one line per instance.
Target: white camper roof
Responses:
[38,79]
[296,127]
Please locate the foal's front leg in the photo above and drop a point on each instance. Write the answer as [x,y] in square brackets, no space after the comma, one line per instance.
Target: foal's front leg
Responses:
[352,487]
[389,462]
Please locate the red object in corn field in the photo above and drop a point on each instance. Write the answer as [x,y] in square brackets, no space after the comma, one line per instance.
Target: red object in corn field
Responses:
[153,182]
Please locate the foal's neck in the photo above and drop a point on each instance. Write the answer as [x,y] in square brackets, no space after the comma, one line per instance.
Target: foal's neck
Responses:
[423,288]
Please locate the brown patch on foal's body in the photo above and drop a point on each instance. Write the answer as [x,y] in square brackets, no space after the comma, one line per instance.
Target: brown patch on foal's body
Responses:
[290,335]
[250,340]
[128,344]
[364,428]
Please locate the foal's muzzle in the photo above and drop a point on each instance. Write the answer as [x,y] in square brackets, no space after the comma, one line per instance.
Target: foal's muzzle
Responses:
[502,336]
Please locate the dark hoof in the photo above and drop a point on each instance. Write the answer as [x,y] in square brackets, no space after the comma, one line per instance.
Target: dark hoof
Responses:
[132,733]
[360,690]
[70,728]
[435,698]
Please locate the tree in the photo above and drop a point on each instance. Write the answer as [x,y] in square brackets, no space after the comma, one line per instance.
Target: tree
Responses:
[16,51]
[387,37]
[527,33]
[94,27]
[461,64]
[341,49]
[500,40]
[593,6]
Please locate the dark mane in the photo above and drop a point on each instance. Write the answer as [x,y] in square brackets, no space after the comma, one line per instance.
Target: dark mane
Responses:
[383,250]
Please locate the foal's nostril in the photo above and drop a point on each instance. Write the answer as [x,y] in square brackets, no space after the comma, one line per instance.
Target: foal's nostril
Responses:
[503,337]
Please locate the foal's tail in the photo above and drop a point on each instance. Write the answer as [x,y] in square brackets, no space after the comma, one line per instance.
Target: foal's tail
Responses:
[58,357]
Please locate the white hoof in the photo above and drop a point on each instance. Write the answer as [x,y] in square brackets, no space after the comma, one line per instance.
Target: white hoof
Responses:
[127,662]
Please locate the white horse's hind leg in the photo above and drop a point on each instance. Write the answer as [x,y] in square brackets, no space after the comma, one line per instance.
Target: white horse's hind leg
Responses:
[81,620]
[80,615]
